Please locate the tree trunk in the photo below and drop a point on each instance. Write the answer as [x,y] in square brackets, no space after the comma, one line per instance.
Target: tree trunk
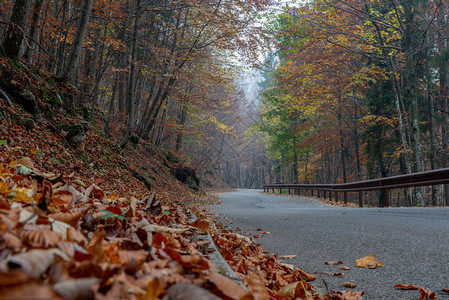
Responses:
[34,29]
[14,37]
[132,80]
[78,41]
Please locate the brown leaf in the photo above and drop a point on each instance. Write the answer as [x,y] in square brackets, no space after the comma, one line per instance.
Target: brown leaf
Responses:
[304,275]
[406,287]
[332,263]
[41,238]
[344,268]
[349,285]
[76,289]
[227,286]
[28,290]
[445,291]
[295,290]
[70,218]
[13,277]
[256,286]
[183,291]
[132,260]
[426,294]
[336,274]
[74,235]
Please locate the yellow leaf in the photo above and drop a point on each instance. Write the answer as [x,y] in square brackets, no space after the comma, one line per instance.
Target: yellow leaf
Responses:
[4,188]
[369,262]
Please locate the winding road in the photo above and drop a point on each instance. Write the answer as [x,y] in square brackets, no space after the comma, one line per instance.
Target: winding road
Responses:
[412,243]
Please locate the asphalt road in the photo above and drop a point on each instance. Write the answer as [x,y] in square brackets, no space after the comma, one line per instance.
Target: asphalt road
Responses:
[412,243]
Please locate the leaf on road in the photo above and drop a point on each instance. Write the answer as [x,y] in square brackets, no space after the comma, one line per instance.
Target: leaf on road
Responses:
[426,294]
[332,263]
[344,268]
[368,261]
[445,291]
[406,287]
[287,256]
[349,285]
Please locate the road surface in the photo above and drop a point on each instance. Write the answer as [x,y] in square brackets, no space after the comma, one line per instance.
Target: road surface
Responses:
[412,243]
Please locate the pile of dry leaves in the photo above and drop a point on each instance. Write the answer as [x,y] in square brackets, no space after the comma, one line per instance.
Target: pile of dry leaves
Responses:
[62,239]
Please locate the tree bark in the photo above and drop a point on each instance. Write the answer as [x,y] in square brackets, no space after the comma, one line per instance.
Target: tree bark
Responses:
[132,80]
[14,37]
[77,46]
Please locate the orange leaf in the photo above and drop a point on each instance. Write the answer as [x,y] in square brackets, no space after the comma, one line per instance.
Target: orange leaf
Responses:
[406,287]
[227,286]
[201,224]
[426,294]
[4,188]
[257,287]
[154,289]
[344,268]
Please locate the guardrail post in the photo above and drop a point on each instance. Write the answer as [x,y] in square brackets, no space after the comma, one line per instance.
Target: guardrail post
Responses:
[289,191]
[387,197]
[360,199]
[273,190]
[330,195]
[311,192]
[325,194]
[336,197]
[346,197]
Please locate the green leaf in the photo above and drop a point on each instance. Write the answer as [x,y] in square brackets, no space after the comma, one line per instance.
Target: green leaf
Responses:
[23,170]
[166,212]
[3,143]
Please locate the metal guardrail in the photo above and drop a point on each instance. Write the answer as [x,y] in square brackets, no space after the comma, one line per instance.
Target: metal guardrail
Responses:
[434,177]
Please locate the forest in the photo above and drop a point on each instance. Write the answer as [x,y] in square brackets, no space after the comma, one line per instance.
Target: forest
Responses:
[347,90]
[358,90]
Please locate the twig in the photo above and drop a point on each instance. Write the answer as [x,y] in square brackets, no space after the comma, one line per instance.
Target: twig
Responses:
[6,97]
[327,288]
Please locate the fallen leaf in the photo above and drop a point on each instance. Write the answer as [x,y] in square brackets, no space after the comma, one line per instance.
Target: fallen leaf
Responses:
[426,294]
[287,256]
[445,291]
[336,274]
[201,224]
[154,289]
[256,286]
[349,285]
[182,291]
[344,268]
[41,238]
[295,290]
[332,263]
[76,289]
[406,287]
[368,261]
[227,286]
[34,262]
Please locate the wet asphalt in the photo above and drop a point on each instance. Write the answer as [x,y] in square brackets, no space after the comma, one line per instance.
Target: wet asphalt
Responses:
[411,243]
